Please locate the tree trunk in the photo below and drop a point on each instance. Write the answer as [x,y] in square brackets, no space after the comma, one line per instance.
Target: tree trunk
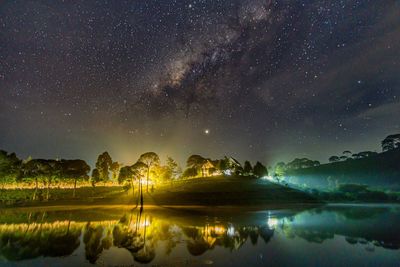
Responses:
[141,194]
[36,189]
[74,192]
[148,173]
[48,190]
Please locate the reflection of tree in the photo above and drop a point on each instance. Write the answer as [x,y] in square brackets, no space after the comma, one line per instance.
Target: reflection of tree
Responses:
[94,241]
[33,240]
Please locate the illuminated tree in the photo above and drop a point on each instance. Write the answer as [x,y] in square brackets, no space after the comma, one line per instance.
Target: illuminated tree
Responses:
[127,174]
[172,168]
[95,177]
[151,159]
[138,169]
[75,170]
[36,169]
[115,168]
[103,165]
[9,167]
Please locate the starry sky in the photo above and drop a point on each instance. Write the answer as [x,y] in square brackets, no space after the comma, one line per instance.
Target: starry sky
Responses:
[262,80]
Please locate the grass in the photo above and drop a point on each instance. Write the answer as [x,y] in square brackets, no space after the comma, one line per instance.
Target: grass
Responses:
[85,194]
[228,191]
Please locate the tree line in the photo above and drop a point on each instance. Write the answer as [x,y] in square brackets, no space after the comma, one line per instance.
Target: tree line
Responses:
[49,173]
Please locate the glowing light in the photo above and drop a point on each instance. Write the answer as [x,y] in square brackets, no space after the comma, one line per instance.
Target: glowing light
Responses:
[207,131]
[272,223]
[231,231]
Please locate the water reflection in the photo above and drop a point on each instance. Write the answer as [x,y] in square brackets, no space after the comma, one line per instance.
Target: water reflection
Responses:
[158,233]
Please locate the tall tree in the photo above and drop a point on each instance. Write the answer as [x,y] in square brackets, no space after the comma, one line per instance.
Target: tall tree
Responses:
[103,165]
[151,159]
[126,174]
[75,169]
[138,169]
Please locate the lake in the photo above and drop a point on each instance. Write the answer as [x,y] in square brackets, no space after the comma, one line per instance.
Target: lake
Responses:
[332,235]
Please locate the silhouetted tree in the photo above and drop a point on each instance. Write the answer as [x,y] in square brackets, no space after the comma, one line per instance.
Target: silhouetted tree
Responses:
[260,170]
[247,169]
[391,142]
[334,159]
[138,169]
[196,162]
[151,159]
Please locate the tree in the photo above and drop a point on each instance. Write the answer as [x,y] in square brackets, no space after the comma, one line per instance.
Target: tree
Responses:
[248,169]
[9,167]
[95,177]
[280,169]
[172,168]
[189,172]
[75,169]
[115,168]
[126,173]
[151,159]
[196,162]
[54,173]
[391,142]
[138,169]
[36,169]
[260,170]
[103,165]
[334,159]
[347,153]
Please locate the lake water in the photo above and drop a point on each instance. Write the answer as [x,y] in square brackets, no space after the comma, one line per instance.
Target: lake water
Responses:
[335,235]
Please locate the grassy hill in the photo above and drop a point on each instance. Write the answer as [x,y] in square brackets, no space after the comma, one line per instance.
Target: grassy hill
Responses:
[381,171]
[213,191]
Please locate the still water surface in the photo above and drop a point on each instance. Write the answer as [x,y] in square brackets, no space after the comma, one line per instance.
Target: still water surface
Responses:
[335,235]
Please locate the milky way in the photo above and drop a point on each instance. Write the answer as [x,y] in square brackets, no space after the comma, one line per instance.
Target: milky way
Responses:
[269,80]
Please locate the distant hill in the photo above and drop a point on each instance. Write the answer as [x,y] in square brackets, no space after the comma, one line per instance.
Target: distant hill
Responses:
[213,191]
[381,171]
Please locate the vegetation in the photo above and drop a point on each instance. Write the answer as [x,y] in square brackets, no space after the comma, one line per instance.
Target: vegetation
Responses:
[372,175]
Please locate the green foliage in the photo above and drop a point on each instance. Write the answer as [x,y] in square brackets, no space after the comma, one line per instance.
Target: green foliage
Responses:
[9,167]
[103,166]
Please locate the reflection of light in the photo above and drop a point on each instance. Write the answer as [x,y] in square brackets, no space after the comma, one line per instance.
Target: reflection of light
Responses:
[272,223]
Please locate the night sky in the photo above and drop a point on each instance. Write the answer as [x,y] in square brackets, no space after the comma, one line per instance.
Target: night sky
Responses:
[262,80]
